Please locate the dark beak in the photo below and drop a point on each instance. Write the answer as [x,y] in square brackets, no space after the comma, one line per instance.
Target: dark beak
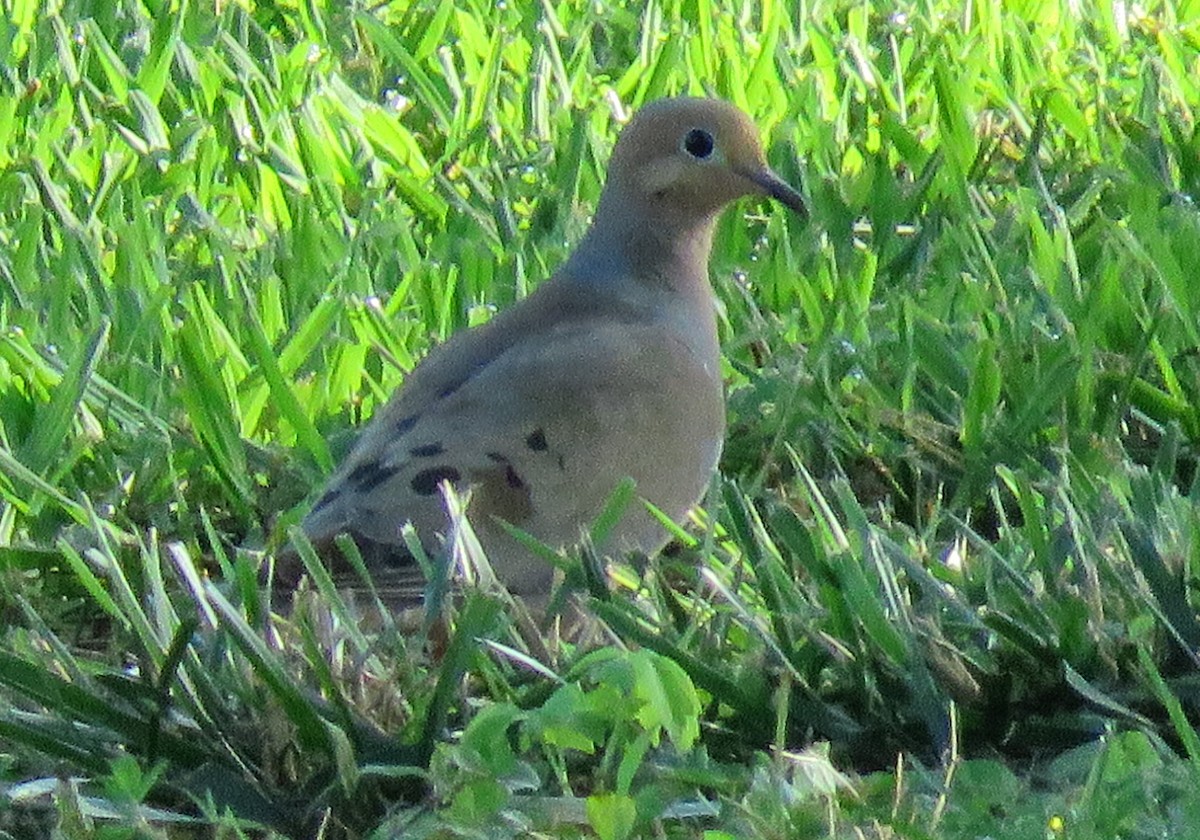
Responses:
[774,186]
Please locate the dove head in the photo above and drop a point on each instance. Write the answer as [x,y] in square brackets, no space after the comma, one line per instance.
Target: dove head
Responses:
[680,161]
[675,166]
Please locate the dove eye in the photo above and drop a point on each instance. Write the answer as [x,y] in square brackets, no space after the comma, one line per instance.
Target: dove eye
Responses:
[698,143]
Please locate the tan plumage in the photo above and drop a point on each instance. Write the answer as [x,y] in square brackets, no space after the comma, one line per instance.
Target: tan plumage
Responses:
[609,370]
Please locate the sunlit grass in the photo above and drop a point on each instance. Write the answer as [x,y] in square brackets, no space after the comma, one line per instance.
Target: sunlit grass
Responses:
[955,536]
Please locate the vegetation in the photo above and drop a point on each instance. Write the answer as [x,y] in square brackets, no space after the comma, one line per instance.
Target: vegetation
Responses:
[944,586]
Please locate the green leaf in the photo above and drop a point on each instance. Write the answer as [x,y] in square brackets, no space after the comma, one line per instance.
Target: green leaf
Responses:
[48,445]
[982,399]
[668,696]
[612,816]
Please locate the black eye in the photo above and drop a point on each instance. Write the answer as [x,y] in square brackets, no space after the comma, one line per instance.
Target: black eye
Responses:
[698,143]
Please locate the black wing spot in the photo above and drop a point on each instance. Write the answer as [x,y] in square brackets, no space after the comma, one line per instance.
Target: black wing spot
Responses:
[404,424]
[513,478]
[497,457]
[537,440]
[562,464]
[326,500]
[427,450]
[426,482]
[366,477]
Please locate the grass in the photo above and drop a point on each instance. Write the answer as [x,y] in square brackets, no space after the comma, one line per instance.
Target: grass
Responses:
[943,587]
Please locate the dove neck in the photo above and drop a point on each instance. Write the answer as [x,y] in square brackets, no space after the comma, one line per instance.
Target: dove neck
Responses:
[625,244]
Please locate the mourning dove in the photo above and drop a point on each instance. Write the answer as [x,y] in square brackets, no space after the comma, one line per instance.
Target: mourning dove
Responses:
[610,370]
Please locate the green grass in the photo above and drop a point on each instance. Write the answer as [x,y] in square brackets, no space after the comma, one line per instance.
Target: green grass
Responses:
[943,587]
